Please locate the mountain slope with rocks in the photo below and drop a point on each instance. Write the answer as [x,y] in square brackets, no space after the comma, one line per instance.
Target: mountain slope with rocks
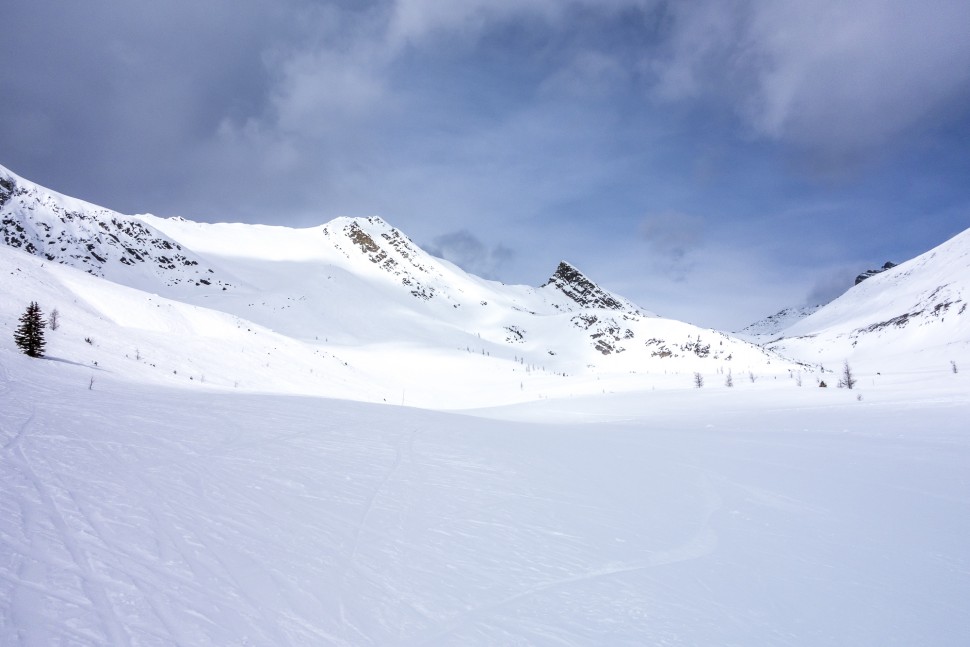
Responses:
[916,311]
[99,241]
[360,289]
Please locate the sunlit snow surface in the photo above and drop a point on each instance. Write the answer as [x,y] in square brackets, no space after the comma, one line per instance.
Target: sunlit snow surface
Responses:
[762,515]
[196,466]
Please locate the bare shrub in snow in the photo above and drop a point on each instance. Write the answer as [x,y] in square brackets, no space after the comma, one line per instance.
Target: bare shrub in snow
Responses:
[847,381]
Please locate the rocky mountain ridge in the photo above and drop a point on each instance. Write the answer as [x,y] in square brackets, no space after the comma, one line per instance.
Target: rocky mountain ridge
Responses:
[358,280]
[94,239]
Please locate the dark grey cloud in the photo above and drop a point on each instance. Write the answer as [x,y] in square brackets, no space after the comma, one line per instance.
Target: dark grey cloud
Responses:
[119,96]
[468,252]
[834,78]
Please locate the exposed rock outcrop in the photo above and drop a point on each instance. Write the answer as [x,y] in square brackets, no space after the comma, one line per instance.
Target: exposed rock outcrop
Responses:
[888,265]
[574,284]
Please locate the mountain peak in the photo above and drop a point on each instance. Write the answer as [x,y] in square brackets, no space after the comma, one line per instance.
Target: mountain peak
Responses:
[579,288]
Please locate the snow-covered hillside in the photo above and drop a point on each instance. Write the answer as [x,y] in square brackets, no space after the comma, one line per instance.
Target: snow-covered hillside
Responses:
[359,291]
[413,326]
[912,315]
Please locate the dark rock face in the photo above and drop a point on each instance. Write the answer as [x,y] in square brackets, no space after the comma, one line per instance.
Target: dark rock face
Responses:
[7,187]
[393,252]
[580,289]
[93,239]
[888,265]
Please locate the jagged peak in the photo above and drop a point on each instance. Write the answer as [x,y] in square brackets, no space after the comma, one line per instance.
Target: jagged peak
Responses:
[575,285]
[567,272]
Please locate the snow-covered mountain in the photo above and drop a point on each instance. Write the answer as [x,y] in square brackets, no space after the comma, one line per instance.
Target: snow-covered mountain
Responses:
[768,329]
[356,288]
[771,326]
[914,313]
[163,482]
[360,290]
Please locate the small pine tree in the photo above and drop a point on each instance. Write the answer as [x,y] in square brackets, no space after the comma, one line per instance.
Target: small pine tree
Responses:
[729,381]
[54,319]
[29,335]
[698,380]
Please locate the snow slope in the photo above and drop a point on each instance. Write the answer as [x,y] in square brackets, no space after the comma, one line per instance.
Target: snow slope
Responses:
[147,515]
[117,330]
[769,328]
[911,316]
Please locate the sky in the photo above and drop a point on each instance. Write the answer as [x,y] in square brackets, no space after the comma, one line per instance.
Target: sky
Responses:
[712,160]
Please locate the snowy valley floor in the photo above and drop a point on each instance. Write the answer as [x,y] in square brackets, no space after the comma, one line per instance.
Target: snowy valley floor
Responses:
[137,515]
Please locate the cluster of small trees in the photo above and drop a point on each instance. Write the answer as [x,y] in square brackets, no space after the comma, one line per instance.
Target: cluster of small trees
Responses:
[846,380]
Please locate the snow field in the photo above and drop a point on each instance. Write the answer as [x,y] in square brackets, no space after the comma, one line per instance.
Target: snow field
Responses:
[142,515]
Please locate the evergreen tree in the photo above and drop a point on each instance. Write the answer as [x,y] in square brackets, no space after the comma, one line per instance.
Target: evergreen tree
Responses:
[29,335]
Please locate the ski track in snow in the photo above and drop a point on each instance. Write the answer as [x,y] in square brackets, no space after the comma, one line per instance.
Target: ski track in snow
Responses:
[133,516]
[92,581]
[350,561]
[699,545]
